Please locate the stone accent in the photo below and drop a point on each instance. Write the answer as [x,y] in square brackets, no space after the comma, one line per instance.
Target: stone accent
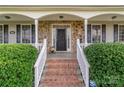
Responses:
[45,31]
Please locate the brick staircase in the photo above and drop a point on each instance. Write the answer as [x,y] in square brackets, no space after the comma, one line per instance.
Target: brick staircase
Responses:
[61,73]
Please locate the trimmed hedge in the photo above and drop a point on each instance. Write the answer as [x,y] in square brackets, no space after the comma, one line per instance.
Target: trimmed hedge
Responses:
[107,64]
[16,65]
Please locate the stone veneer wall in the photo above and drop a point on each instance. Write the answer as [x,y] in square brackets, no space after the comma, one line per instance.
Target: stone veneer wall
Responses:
[45,31]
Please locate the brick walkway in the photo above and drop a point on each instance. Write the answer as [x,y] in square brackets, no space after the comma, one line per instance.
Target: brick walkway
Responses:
[61,73]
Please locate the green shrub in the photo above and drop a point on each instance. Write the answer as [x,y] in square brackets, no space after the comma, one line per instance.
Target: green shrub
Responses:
[106,64]
[16,65]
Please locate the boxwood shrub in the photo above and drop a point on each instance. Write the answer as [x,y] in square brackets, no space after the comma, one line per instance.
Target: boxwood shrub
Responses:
[16,65]
[106,64]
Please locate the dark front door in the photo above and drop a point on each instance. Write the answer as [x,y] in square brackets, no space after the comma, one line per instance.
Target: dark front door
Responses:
[61,40]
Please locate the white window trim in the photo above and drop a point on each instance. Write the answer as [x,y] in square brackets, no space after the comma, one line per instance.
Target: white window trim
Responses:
[69,29]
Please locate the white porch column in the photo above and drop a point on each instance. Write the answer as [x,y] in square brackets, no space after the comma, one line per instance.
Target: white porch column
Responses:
[85,30]
[36,32]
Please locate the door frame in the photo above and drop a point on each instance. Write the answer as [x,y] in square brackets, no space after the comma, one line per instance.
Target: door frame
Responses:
[68,35]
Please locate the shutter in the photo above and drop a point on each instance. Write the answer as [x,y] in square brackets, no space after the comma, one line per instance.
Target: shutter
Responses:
[103,32]
[1,33]
[115,32]
[89,33]
[18,33]
[33,33]
[6,34]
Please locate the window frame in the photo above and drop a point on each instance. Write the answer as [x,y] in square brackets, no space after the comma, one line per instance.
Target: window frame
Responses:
[21,29]
[2,33]
[119,32]
[100,32]
[30,35]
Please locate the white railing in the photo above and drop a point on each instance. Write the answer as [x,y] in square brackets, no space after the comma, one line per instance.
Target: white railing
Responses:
[40,63]
[83,63]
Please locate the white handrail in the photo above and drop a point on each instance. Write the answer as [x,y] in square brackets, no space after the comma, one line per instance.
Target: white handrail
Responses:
[83,63]
[40,63]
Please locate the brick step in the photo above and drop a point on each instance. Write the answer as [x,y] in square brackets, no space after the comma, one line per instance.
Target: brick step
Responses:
[70,77]
[62,84]
[61,73]
[61,67]
[61,63]
[62,60]
[61,79]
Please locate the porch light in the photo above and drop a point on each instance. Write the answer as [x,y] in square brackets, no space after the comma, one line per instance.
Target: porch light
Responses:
[114,17]
[61,17]
[7,17]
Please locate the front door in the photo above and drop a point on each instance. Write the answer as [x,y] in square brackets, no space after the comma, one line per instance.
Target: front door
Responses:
[61,40]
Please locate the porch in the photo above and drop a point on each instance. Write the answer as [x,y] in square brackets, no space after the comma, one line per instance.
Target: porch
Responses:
[15,28]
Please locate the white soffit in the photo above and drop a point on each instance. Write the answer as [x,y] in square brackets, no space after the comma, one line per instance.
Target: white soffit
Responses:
[14,17]
[108,17]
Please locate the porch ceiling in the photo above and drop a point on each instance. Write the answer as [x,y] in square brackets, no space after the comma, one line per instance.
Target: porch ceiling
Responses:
[60,17]
[14,17]
[108,17]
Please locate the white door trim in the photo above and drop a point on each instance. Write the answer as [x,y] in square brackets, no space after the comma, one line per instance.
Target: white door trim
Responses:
[68,36]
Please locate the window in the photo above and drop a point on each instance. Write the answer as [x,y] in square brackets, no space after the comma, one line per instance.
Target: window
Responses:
[33,33]
[96,33]
[6,34]
[103,32]
[3,33]
[89,33]
[118,33]
[121,32]
[25,33]
[18,33]
[115,37]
